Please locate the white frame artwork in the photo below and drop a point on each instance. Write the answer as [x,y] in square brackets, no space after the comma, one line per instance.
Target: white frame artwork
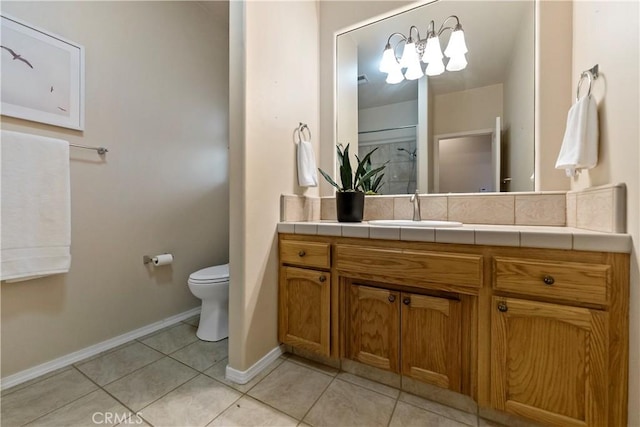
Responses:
[42,75]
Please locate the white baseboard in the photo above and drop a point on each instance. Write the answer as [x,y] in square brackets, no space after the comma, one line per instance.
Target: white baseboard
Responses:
[86,352]
[243,377]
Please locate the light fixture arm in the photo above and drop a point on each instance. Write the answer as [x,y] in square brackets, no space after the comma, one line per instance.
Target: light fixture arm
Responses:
[458,26]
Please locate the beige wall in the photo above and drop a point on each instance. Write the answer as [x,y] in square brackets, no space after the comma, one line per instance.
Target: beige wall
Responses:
[518,122]
[467,110]
[606,33]
[274,86]
[163,186]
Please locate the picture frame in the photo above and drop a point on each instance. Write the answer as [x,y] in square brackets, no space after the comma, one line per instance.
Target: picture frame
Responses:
[42,75]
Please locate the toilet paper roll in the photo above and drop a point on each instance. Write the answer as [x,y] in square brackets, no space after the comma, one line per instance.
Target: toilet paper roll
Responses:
[163,259]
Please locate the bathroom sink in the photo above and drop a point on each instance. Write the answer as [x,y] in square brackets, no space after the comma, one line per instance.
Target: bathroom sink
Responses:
[410,223]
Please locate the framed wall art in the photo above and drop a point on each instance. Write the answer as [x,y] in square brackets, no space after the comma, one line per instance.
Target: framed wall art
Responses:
[42,75]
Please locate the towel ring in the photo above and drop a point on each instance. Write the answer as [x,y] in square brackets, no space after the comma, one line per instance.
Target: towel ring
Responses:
[299,132]
[591,75]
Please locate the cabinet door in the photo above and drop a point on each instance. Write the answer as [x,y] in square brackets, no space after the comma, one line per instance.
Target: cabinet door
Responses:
[549,362]
[304,308]
[431,335]
[374,326]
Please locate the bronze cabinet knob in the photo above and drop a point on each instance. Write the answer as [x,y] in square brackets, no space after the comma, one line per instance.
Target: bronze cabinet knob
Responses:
[502,306]
[323,278]
[548,280]
[406,301]
[301,253]
[392,298]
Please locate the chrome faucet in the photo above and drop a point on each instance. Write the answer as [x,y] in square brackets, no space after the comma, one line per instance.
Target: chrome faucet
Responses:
[415,199]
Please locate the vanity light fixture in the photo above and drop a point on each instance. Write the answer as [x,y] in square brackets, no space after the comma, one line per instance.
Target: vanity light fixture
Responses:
[428,50]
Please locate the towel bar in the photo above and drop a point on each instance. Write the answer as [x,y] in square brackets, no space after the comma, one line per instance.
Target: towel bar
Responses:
[101,150]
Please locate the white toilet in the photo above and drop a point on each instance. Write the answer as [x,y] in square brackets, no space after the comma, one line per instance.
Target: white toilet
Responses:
[211,285]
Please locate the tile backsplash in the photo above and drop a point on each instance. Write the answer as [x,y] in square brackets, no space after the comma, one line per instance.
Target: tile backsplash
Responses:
[597,209]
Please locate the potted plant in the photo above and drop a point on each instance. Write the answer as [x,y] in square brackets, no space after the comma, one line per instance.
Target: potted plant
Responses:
[350,195]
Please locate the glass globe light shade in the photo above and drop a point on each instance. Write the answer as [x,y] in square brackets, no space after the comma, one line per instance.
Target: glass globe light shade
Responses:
[414,72]
[457,45]
[395,75]
[432,52]
[409,55]
[388,60]
[435,68]
[457,63]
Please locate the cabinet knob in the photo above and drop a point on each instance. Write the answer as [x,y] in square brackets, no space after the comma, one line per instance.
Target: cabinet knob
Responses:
[502,306]
[548,280]
[323,278]
[392,298]
[406,301]
[301,253]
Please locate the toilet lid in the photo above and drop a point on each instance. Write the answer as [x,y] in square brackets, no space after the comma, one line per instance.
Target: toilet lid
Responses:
[211,274]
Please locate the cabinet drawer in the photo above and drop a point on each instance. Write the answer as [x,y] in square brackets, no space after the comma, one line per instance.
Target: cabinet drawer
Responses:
[306,254]
[411,265]
[567,281]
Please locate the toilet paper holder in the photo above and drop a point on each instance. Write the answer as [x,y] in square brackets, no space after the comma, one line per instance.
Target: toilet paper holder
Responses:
[146,259]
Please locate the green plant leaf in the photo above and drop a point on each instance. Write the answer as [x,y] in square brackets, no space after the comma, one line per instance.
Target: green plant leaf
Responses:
[376,183]
[329,179]
[362,169]
[346,173]
[371,173]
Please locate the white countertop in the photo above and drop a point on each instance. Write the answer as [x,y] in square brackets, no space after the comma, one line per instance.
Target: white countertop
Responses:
[472,234]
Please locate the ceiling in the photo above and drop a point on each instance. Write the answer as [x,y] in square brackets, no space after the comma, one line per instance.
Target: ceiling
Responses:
[490,31]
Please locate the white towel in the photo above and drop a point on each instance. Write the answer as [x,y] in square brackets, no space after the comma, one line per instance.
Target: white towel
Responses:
[307,170]
[36,208]
[580,143]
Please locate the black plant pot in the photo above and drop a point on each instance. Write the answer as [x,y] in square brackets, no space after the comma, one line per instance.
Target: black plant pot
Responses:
[350,206]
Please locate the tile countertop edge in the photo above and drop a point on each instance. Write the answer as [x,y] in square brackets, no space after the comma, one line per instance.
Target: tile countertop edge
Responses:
[545,237]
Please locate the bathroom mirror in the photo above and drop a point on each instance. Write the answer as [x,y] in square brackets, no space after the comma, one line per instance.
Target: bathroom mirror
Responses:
[459,132]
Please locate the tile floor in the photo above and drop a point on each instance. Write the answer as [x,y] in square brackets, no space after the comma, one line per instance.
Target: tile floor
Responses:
[170,378]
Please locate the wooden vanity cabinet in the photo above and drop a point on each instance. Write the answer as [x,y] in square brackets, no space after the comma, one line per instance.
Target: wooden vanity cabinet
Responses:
[431,340]
[549,362]
[415,335]
[373,335]
[538,333]
[304,311]
[558,337]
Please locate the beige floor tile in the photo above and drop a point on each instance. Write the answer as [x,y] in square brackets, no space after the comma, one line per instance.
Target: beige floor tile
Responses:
[201,355]
[446,411]
[172,339]
[248,412]
[93,409]
[194,321]
[142,387]
[218,371]
[406,415]
[119,363]
[291,388]
[7,391]
[346,404]
[194,403]
[42,397]
[368,384]
[325,369]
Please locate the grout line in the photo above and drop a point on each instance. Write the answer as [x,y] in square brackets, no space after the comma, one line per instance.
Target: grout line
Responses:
[394,410]
[318,399]
[64,405]
[235,402]
[109,394]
